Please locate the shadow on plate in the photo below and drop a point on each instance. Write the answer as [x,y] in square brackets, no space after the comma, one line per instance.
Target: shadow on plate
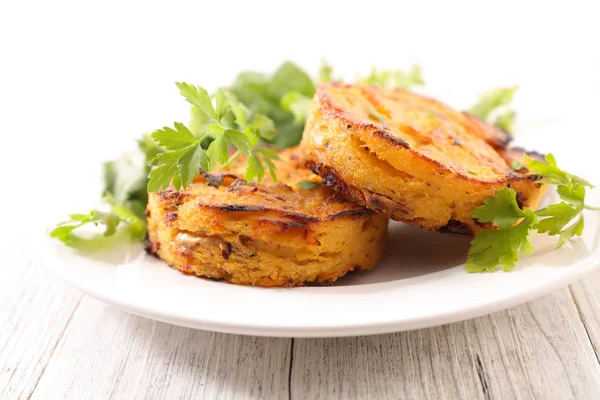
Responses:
[412,252]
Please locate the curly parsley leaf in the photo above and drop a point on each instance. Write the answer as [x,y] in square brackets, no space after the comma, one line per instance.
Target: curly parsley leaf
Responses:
[501,247]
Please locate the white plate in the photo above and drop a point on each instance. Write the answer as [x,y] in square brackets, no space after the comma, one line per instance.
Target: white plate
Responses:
[420,283]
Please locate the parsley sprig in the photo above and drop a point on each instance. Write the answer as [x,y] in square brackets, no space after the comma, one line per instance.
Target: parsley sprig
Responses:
[117,215]
[493,108]
[227,123]
[501,247]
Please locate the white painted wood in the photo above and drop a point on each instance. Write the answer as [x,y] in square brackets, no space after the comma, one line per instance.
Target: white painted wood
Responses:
[34,310]
[53,346]
[586,293]
[538,350]
[106,353]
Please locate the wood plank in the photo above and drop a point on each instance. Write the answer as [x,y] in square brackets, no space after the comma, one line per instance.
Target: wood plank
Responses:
[35,308]
[586,293]
[537,350]
[106,353]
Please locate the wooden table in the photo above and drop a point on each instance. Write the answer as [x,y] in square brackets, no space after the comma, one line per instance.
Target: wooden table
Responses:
[57,343]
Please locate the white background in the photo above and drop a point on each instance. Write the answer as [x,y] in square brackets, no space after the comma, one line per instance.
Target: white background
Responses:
[79,81]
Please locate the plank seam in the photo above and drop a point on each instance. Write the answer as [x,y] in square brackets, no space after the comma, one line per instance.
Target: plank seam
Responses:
[60,337]
[290,370]
[583,321]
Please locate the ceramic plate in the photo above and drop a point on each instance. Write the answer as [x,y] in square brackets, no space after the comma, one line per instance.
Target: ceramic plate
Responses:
[420,283]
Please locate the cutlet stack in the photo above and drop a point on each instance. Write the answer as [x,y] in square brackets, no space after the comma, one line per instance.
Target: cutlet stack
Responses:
[411,158]
[380,154]
[265,234]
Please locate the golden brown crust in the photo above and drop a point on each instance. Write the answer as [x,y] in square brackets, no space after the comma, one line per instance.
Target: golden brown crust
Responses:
[410,157]
[266,234]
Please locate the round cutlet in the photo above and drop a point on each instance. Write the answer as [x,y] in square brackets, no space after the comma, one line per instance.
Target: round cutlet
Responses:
[409,157]
[264,234]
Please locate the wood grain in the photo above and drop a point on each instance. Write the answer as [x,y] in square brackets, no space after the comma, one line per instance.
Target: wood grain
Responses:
[538,350]
[35,308]
[107,353]
[56,343]
[586,294]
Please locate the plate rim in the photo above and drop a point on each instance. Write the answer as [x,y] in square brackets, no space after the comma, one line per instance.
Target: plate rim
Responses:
[544,287]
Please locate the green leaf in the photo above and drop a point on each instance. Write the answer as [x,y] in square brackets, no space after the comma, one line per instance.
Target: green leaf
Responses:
[217,151]
[573,194]
[261,94]
[126,177]
[506,121]
[501,210]
[264,126]
[552,174]
[239,140]
[136,226]
[307,185]
[289,77]
[222,104]
[490,101]
[198,122]
[112,220]
[559,215]
[197,96]
[402,80]
[325,72]
[160,176]
[297,104]
[574,230]
[288,135]
[189,164]
[239,111]
[255,169]
[500,247]
[268,155]
[516,165]
[149,148]
[394,79]
[174,139]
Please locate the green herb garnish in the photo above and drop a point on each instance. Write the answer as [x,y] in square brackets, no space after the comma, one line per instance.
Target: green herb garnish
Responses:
[395,79]
[263,94]
[516,165]
[501,247]
[307,185]
[373,115]
[116,216]
[493,108]
[298,104]
[226,124]
[325,72]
